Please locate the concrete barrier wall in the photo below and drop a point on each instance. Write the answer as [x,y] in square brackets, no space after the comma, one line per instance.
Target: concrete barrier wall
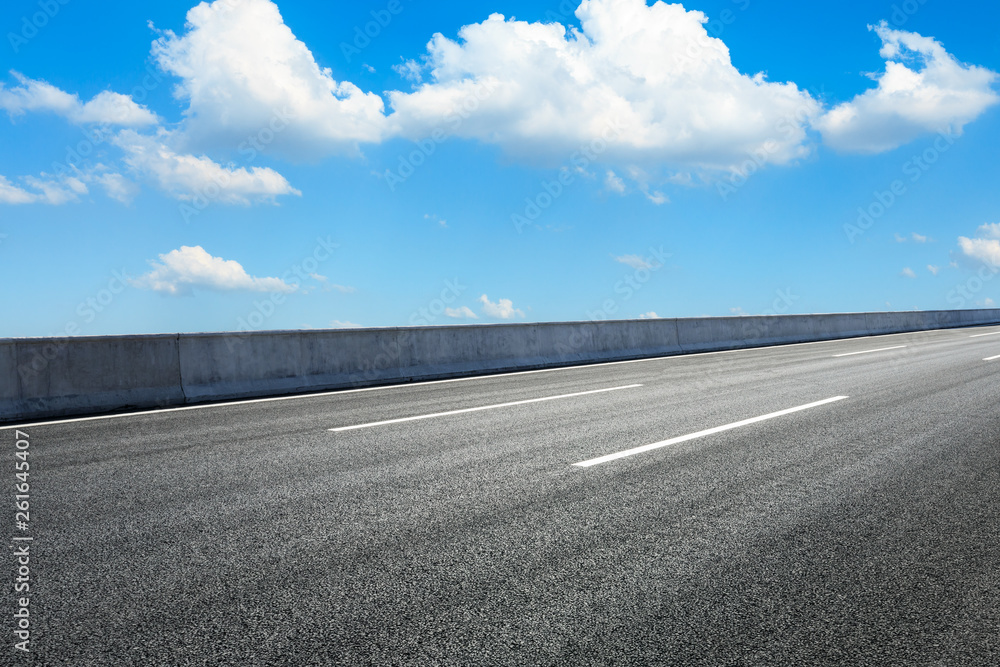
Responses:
[444,351]
[42,378]
[221,366]
[726,333]
[10,387]
[65,376]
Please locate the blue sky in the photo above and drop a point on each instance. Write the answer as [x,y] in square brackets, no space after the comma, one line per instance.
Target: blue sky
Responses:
[252,165]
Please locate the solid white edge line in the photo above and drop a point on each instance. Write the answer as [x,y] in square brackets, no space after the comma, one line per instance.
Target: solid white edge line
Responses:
[992,333]
[992,358]
[491,376]
[700,434]
[881,349]
[482,407]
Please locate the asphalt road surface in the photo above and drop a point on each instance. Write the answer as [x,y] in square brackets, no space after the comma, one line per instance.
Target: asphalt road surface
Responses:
[861,528]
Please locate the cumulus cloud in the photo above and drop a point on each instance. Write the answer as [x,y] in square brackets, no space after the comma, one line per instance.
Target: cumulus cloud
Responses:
[975,252]
[651,315]
[933,269]
[189,177]
[180,271]
[644,91]
[983,250]
[637,84]
[648,80]
[908,273]
[503,309]
[106,108]
[461,313]
[185,177]
[243,72]
[923,89]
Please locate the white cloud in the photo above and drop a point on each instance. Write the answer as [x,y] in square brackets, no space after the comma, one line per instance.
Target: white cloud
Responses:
[109,108]
[643,87]
[62,191]
[636,262]
[908,273]
[651,315]
[409,70]
[642,179]
[106,108]
[43,190]
[919,238]
[984,250]
[179,271]
[46,189]
[188,177]
[118,187]
[503,309]
[185,177]
[34,95]
[243,73]
[649,79]
[656,197]
[12,194]
[937,94]
[461,313]
[988,302]
[330,287]
[990,231]
[933,269]
[614,182]
[339,324]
